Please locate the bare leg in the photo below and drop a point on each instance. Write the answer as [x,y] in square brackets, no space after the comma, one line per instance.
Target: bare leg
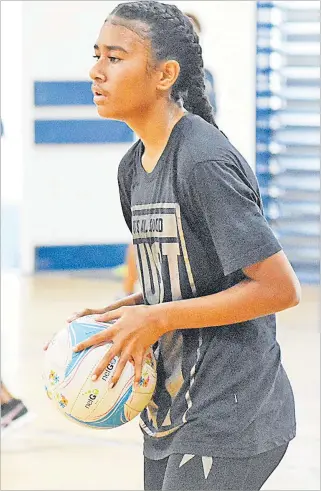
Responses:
[5,395]
[131,278]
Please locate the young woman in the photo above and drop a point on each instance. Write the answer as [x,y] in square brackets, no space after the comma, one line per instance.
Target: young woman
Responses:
[211,271]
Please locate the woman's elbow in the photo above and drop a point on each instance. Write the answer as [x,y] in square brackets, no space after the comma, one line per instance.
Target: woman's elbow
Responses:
[291,293]
[295,297]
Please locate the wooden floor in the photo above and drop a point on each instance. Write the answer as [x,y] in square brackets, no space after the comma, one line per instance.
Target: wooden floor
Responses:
[51,453]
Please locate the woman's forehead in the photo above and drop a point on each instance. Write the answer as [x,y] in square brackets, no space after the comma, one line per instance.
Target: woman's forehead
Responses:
[127,33]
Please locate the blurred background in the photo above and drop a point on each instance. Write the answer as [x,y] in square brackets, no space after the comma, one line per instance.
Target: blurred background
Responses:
[63,237]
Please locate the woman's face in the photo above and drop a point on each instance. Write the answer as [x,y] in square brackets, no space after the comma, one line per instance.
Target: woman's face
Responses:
[123,86]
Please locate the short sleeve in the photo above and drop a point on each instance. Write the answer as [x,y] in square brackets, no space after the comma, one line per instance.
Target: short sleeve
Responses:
[226,205]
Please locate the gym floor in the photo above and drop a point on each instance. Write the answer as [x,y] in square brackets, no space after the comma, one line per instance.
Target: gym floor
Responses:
[52,453]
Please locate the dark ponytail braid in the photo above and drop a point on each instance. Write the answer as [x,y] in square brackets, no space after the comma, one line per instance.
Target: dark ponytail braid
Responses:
[173,37]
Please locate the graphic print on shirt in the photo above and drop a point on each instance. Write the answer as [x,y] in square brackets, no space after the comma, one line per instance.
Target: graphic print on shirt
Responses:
[165,275]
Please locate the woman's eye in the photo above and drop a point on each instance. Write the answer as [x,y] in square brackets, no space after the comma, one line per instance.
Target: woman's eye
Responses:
[112,59]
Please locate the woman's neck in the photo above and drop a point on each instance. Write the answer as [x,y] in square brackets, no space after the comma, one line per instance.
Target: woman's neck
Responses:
[155,126]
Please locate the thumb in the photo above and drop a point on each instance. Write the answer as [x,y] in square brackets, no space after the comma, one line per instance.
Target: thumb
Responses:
[110,316]
[84,312]
[77,315]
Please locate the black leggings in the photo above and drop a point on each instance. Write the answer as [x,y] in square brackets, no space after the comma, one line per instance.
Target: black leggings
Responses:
[186,472]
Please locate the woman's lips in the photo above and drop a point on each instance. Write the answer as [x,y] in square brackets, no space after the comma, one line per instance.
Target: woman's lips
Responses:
[99,95]
[99,98]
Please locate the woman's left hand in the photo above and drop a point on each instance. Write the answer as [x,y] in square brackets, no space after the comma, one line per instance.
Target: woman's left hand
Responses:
[135,329]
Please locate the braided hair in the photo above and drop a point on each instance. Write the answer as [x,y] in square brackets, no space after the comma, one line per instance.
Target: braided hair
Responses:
[172,36]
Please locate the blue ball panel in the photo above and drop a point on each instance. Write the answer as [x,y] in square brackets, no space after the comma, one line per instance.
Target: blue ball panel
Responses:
[79,332]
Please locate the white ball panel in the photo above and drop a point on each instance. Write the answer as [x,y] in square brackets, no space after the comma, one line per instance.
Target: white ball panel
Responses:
[109,399]
[78,386]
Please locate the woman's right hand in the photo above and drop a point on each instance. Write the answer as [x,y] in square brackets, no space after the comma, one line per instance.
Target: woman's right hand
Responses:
[135,299]
[84,312]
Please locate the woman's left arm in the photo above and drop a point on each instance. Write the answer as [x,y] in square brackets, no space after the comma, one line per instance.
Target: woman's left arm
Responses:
[270,286]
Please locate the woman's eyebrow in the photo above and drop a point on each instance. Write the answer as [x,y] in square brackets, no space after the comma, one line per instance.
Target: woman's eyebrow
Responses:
[112,48]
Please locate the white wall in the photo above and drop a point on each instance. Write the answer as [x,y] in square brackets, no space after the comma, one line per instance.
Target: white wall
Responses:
[71,189]
[70,193]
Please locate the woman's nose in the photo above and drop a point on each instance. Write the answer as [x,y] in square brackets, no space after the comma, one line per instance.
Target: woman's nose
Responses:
[96,74]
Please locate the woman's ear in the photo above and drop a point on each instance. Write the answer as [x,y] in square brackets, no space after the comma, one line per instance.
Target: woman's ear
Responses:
[169,73]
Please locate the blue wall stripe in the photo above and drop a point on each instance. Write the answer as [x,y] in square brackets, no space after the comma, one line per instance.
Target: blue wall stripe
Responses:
[97,256]
[63,93]
[265,5]
[82,131]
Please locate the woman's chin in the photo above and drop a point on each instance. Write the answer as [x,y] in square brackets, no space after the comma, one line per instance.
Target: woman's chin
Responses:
[106,112]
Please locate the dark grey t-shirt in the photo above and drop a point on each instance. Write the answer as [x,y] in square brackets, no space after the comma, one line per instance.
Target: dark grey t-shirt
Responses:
[196,221]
